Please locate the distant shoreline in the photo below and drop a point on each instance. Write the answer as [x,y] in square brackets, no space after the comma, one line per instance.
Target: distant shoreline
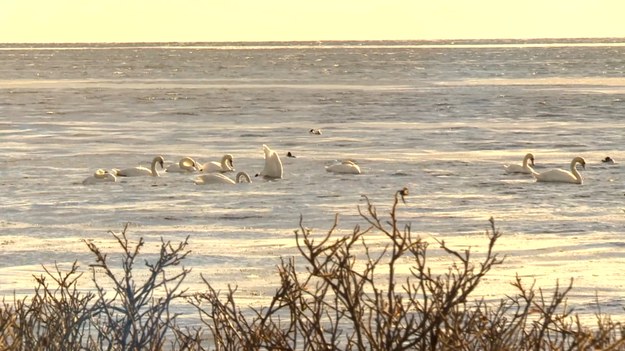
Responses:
[460,43]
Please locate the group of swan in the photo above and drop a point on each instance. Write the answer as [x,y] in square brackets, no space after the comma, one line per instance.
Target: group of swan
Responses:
[103,176]
[273,169]
[553,175]
[189,165]
[212,171]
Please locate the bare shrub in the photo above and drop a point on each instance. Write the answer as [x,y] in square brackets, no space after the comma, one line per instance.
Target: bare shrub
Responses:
[126,314]
[55,318]
[136,315]
[351,294]
[350,297]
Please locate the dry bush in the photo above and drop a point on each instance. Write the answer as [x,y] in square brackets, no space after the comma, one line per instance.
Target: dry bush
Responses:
[122,313]
[136,315]
[350,296]
[343,292]
[55,318]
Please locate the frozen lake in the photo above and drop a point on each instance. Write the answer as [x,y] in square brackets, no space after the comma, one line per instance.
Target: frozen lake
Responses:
[441,120]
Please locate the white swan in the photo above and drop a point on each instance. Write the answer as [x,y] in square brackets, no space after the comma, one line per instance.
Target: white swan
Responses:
[525,168]
[562,176]
[141,171]
[225,165]
[273,164]
[348,167]
[219,178]
[99,176]
[185,165]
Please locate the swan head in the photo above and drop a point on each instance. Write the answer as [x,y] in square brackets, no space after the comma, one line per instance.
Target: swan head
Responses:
[100,173]
[227,161]
[579,160]
[160,160]
[243,177]
[189,164]
[531,158]
[608,159]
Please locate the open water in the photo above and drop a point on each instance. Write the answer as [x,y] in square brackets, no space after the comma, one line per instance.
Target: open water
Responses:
[439,118]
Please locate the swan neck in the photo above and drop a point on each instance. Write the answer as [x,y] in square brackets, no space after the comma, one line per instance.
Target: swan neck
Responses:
[153,167]
[575,172]
[224,163]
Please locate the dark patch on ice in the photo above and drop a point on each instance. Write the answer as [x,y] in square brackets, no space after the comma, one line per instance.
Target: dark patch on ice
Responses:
[249,135]
[235,218]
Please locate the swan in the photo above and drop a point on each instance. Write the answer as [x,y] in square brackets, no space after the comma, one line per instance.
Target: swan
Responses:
[141,171]
[226,165]
[608,160]
[525,168]
[273,164]
[348,167]
[185,165]
[219,178]
[99,176]
[562,176]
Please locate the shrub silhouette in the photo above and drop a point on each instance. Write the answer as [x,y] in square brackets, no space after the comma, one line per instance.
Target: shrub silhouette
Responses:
[343,292]
[121,314]
[350,298]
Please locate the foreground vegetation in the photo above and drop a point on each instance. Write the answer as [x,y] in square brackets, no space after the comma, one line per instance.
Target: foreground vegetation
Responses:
[341,293]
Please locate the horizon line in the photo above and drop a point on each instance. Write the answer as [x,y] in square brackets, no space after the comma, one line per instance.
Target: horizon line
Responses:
[321,41]
[330,44]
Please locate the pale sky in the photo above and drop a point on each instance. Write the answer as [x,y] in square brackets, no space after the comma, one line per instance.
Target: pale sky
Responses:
[46,21]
